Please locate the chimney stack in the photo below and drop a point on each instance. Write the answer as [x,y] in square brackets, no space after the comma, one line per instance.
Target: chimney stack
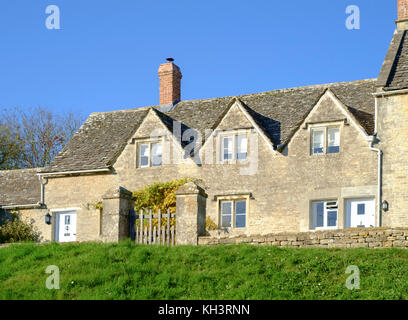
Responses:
[402,9]
[170,82]
[402,22]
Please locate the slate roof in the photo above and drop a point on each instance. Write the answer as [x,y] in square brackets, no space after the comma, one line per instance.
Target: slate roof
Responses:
[394,73]
[19,187]
[98,142]
[103,136]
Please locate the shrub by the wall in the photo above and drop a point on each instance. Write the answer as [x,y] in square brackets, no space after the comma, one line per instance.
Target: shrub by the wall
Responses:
[17,230]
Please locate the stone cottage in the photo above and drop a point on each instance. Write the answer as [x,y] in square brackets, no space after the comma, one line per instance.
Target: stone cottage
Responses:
[320,157]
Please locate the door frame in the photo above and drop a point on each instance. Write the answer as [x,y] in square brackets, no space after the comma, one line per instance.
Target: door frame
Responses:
[56,219]
[347,214]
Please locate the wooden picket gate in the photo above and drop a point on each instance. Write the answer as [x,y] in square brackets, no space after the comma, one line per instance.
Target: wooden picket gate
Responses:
[144,232]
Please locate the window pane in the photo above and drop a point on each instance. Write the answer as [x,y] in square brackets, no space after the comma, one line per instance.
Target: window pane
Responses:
[240,207]
[156,154]
[240,214]
[225,221]
[240,221]
[227,148]
[317,141]
[144,155]
[319,214]
[361,208]
[332,218]
[242,147]
[333,140]
[226,214]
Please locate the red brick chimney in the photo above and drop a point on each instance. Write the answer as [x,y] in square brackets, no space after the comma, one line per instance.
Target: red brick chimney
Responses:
[402,9]
[170,82]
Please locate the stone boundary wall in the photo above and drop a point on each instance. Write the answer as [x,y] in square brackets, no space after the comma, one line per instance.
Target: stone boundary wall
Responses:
[349,238]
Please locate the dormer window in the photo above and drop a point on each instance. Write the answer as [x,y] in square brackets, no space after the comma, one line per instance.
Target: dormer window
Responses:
[150,154]
[156,154]
[325,140]
[228,147]
[234,147]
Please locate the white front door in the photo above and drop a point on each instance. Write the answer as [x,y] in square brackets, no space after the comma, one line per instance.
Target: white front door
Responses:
[360,213]
[65,230]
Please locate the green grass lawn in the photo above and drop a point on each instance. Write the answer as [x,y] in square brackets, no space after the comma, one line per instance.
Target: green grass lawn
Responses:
[128,271]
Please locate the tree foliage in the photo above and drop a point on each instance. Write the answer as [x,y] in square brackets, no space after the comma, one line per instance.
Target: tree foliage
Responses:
[31,138]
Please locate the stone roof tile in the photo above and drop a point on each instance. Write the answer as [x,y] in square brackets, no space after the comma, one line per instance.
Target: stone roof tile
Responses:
[19,187]
[103,136]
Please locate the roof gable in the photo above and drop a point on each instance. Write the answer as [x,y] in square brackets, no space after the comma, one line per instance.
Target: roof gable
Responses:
[323,112]
[277,114]
[394,72]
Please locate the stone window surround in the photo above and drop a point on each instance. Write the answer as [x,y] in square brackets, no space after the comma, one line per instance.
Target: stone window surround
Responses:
[325,125]
[219,135]
[235,197]
[151,140]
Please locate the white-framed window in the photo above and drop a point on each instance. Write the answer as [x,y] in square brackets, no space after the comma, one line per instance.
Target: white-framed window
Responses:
[242,147]
[333,140]
[324,215]
[234,147]
[144,155]
[156,154]
[227,148]
[325,140]
[233,213]
[150,154]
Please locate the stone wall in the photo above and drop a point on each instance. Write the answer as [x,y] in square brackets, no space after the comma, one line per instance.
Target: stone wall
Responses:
[279,193]
[393,136]
[349,238]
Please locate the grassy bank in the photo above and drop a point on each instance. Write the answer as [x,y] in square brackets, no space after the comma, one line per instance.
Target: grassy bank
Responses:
[127,271]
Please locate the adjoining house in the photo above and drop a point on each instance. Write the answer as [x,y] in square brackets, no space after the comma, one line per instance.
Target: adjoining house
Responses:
[321,157]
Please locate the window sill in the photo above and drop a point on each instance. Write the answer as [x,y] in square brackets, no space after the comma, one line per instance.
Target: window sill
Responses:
[150,167]
[325,154]
[324,229]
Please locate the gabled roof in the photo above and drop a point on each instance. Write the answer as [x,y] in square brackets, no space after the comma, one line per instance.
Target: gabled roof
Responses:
[394,73]
[98,142]
[278,112]
[19,187]
[104,135]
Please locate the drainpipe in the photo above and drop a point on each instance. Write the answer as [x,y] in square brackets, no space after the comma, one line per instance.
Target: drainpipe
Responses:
[371,139]
[42,202]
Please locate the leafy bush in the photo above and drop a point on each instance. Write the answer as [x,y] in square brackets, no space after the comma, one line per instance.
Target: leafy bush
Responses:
[17,230]
[162,196]
[158,196]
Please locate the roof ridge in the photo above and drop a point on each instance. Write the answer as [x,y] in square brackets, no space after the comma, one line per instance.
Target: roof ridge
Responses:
[240,96]
[122,110]
[324,85]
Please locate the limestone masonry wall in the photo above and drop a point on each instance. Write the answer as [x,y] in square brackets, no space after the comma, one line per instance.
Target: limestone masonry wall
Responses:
[350,238]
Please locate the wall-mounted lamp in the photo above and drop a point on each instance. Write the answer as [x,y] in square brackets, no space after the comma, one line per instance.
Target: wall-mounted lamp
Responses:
[48,218]
[385,206]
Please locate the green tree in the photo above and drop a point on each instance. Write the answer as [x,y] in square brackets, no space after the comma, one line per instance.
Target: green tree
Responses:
[32,137]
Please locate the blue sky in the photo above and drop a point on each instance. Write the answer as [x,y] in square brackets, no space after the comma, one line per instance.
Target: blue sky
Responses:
[107,53]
